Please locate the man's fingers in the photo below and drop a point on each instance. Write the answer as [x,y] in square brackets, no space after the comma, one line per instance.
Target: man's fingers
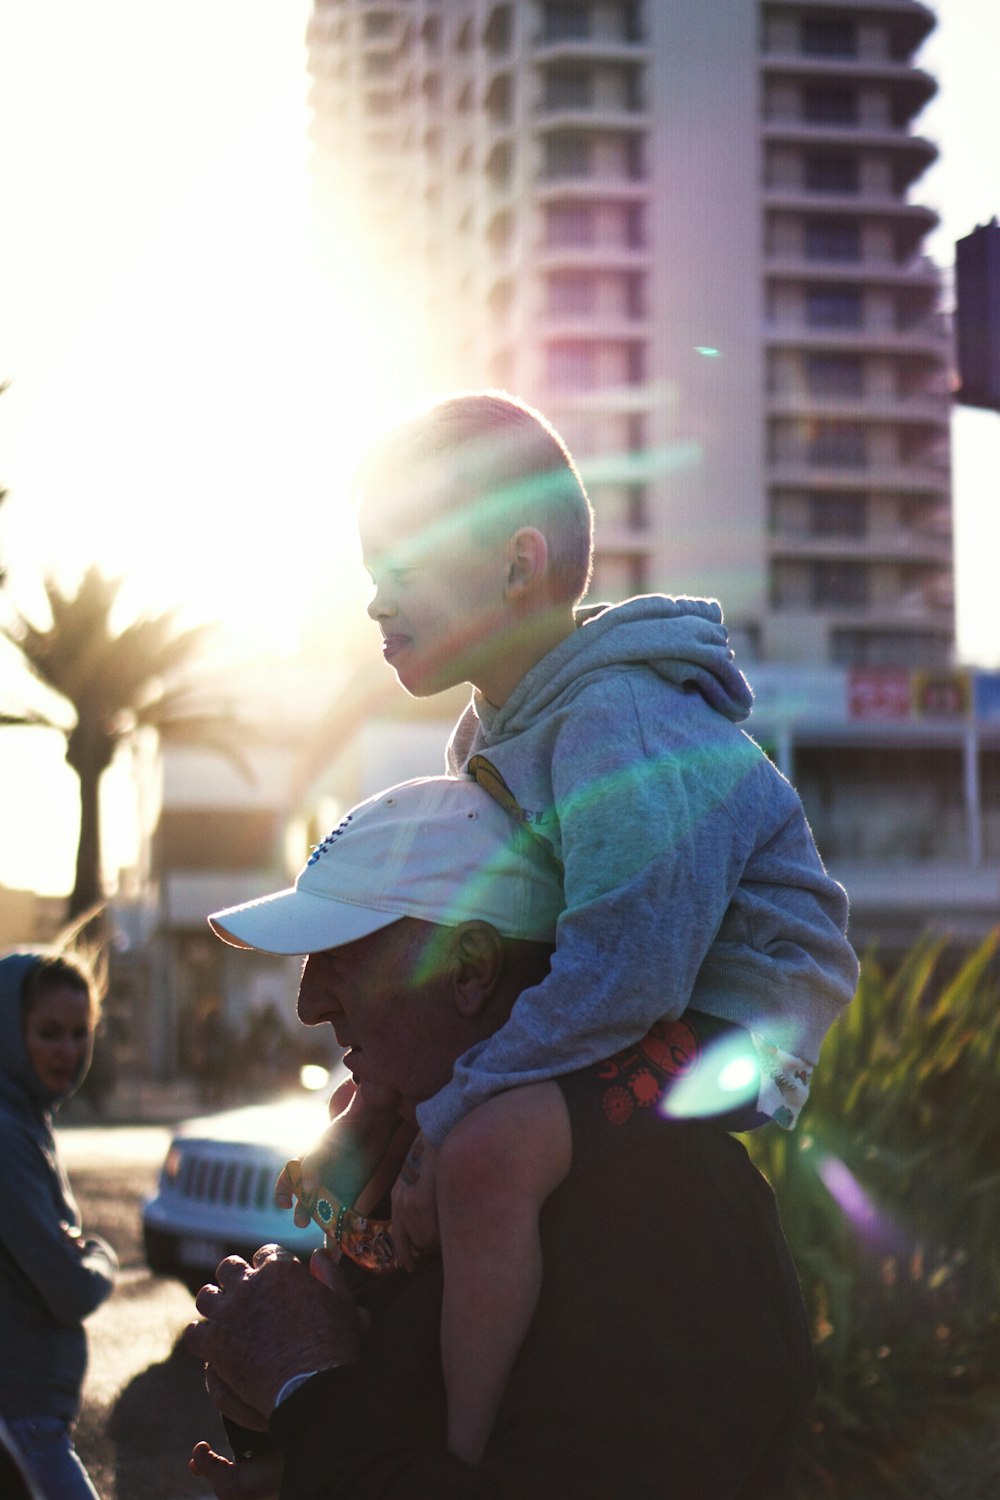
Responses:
[271,1252]
[224,1400]
[231,1270]
[206,1298]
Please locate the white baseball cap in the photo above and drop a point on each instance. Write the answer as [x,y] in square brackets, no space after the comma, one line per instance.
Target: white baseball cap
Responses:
[438,848]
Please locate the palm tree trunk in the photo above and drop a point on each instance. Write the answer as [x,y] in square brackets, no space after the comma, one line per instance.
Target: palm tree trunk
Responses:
[89,752]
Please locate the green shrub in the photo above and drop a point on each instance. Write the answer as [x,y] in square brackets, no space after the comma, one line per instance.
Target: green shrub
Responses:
[888,1191]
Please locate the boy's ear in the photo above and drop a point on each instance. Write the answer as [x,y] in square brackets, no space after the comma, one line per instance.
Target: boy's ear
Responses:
[477,962]
[527,555]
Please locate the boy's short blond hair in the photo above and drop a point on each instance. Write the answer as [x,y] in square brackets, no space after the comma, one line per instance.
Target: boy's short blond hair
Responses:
[492,461]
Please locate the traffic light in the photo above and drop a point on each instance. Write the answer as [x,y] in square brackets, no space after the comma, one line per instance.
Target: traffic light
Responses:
[977,316]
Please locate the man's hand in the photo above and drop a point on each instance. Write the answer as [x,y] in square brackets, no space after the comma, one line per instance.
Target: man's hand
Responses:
[265,1323]
[414,1204]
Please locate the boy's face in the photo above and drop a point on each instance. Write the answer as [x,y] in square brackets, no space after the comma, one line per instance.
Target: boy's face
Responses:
[439,598]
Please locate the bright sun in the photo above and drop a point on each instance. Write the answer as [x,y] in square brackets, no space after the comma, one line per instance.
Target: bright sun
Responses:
[209,415]
[191,397]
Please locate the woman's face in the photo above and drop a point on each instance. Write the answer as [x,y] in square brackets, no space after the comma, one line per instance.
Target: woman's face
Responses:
[57,1032]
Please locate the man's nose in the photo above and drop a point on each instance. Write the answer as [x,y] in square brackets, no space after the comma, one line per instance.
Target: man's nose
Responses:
[314,1001]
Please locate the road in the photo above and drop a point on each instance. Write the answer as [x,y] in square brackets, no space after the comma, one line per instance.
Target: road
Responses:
[144,1404]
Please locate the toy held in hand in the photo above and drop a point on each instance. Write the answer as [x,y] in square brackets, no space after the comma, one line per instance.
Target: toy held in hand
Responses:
[368,1242]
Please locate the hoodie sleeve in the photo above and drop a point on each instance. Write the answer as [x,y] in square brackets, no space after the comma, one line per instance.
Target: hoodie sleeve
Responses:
[70,1275]
[652,856]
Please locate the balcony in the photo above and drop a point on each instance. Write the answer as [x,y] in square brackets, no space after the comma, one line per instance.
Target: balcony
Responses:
[596,186]
[621,118]
[915,478]
[931,336]
[614,257]
[794,198]
[608,327]
[923,410]
[920,271]
[899,546]
[919,152]
[910,86]
[913,21]
[547,50]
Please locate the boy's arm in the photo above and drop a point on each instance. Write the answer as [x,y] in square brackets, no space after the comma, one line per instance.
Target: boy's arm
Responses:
[653,853]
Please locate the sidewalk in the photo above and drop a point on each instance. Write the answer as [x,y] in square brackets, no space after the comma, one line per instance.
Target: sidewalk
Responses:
[143,1101]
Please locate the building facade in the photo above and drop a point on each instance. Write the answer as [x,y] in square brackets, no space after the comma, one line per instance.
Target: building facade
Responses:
[686,230]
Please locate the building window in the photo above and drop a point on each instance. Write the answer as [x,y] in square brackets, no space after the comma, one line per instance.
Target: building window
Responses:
[635,226]
[833,239]
[380,105]
[840,585]
[378,64]
[635,296]
[498,33]
[828,104]
[825,36]
[834,307]
[618,576]
[889,648]
[568,88]
[568,225]
[835,375]
[829,172]
[838,515]
[571,365]
[566,155]
[635,363]
[837,445]
[635,159]
[570,292]
[565,22]
[377,23]
[499,163]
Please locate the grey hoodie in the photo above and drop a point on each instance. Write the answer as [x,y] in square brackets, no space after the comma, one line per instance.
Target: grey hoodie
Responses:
[48,1282]
[690,873]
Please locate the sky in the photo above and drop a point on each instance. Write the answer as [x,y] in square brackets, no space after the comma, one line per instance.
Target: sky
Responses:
[185,395]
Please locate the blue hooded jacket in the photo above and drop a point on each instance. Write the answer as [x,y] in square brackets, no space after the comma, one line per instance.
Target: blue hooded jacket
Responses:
[49,1282]
[690,873]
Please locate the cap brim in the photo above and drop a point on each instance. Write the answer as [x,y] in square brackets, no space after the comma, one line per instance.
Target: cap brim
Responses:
[296,921]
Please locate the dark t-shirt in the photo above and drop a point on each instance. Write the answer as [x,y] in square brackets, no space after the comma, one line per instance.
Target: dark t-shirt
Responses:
[669,1355]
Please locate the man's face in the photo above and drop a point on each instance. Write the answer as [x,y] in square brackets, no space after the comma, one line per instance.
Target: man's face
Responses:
[388,1003]
[439,596]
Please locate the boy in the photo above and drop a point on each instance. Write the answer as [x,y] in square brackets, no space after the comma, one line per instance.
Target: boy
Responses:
[699,922]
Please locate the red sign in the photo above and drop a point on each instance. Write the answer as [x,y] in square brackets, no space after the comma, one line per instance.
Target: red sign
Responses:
[879,693]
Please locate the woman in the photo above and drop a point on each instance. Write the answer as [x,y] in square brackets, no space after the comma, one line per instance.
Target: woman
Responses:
[51,1277]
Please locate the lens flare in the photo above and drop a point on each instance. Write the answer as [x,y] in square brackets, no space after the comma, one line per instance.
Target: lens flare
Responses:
[724,1078]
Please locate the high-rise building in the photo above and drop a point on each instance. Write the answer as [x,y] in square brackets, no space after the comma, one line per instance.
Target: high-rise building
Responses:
[684,229]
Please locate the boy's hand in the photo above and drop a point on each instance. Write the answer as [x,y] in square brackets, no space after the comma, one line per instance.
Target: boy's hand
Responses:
[348,1153]
[414,1204]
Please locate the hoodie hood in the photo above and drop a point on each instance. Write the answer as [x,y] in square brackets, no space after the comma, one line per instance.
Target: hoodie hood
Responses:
[20,1085]
[683,640]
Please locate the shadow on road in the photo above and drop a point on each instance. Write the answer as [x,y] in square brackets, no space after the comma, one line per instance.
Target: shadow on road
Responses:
[140,1451]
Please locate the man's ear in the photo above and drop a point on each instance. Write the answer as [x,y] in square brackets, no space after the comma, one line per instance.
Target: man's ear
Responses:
[477,963]
[527,556]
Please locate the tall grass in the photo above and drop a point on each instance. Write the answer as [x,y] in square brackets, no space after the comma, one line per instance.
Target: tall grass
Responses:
[889,1191]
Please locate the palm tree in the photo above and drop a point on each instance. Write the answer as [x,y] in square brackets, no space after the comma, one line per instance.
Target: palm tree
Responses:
[117,682]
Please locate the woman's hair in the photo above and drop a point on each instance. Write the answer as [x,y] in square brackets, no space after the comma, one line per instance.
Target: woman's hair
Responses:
[76,967]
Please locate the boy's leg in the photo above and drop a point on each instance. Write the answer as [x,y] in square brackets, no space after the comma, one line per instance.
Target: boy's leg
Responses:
[495,1170]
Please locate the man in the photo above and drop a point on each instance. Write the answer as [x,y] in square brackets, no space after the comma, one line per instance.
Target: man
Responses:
[669,1354]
